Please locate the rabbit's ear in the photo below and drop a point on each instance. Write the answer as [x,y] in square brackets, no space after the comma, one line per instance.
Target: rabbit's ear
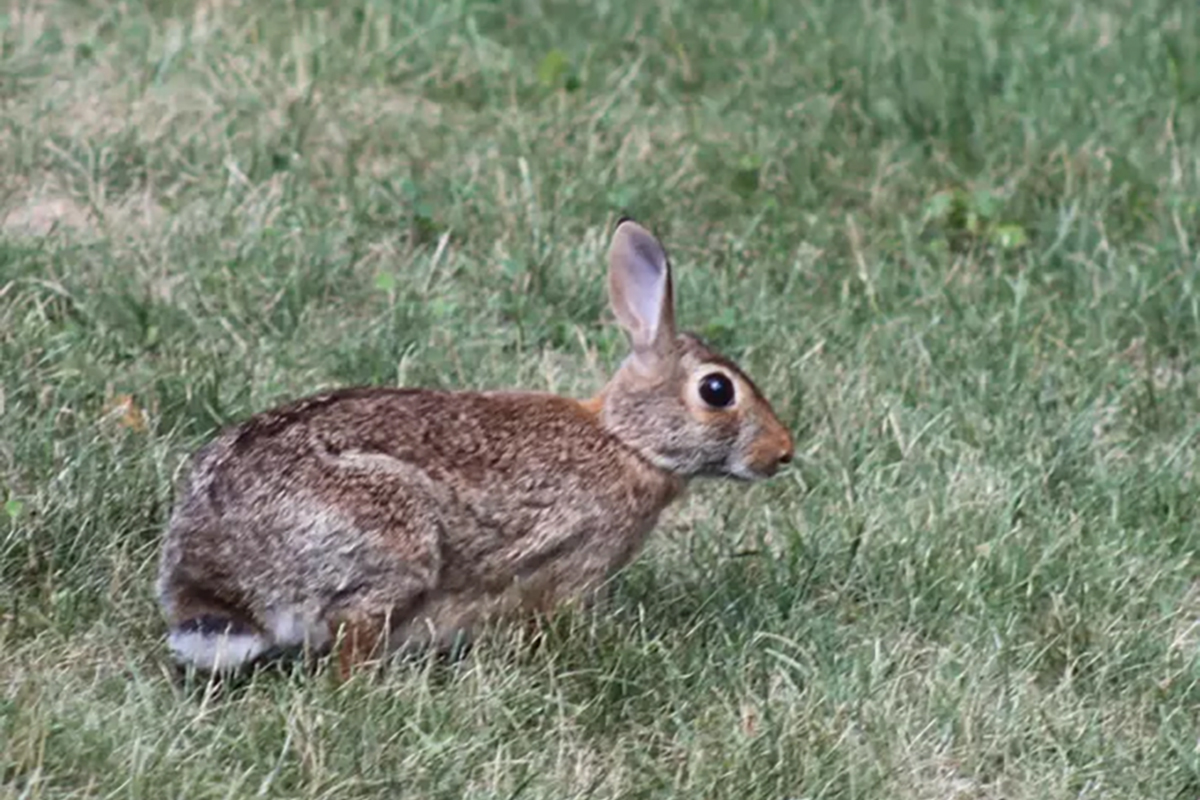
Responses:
[639,289]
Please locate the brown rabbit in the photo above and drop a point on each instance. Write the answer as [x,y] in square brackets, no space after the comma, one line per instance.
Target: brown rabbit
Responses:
[403,517]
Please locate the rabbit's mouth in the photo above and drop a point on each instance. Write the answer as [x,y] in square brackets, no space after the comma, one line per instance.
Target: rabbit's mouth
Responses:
[745,472]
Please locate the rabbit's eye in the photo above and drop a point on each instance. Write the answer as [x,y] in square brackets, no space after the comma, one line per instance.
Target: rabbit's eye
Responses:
[716,390]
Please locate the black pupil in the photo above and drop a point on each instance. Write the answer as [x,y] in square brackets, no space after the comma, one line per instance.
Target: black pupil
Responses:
[716,390]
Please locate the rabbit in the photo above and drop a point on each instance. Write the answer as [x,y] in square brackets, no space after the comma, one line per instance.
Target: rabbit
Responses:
[378,519]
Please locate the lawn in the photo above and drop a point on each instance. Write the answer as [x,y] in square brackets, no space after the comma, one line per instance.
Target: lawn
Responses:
[954,241]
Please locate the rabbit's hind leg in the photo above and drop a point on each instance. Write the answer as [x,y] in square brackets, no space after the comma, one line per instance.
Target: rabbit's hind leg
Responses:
[368,633]
[359,638]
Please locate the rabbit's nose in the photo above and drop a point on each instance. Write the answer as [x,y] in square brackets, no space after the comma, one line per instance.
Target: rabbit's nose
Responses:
[773,449]
[789,451]
[786,448]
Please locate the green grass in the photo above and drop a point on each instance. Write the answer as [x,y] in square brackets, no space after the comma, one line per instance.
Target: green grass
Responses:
[955,242]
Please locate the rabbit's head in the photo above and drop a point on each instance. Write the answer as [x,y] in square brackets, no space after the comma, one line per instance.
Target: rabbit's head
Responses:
[682,405]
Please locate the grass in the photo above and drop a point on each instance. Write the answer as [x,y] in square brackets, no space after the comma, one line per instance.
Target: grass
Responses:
[955,242]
